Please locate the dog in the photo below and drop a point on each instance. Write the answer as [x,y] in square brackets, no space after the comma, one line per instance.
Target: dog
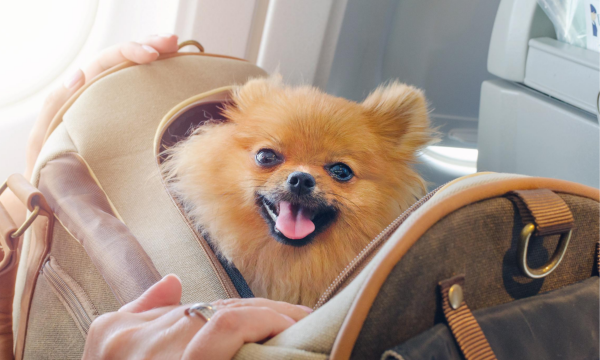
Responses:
[296,182]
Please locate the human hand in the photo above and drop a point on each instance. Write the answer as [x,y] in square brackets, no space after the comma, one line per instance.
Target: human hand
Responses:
[143,52]
[155,326]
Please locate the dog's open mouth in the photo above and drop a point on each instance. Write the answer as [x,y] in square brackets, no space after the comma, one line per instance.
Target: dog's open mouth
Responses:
[295,224]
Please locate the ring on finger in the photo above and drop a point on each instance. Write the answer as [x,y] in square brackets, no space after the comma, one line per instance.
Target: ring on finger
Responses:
[203,310]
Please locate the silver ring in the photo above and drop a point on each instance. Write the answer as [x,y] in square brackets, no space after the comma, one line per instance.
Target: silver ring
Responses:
[204,310]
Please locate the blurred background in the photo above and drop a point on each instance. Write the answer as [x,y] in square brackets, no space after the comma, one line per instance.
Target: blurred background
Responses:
[470,56]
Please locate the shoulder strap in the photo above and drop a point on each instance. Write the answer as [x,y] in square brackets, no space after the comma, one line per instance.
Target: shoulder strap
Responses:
[22,192]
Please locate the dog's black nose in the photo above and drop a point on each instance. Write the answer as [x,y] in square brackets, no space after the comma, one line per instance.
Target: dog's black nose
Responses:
[301,183]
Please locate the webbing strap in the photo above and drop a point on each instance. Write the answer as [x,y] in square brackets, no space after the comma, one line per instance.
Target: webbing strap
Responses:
[462,323]
[546,210]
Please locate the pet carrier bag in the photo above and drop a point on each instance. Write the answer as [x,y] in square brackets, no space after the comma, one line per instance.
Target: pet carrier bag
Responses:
[489,264]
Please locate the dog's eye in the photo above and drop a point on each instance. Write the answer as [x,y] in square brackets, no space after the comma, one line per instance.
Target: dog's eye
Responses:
[267,157]
[341,172]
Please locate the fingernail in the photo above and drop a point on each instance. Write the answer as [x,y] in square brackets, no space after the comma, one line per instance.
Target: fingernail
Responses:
[73,79]
[149,49]
[165,35]
[305,308]
[173,275]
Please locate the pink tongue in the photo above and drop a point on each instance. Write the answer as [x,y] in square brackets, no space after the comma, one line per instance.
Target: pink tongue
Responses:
[294,221]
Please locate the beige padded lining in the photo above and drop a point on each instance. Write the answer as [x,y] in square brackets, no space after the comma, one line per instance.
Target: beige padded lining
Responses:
[120,152]
[113,124]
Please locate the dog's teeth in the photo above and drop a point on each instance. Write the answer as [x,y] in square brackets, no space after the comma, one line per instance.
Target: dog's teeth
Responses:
[277,231]
[269,211]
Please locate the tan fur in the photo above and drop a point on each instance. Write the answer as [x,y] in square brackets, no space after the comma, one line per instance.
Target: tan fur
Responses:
[215,176]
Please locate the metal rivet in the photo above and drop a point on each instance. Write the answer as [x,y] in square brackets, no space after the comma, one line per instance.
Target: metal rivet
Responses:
[455,295]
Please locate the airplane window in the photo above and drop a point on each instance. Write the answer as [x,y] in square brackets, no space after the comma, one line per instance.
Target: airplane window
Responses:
[39,40]
[459,157]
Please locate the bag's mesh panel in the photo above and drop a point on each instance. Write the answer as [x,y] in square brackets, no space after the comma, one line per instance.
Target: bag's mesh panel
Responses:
[82,207]
[52,333]
[479,240]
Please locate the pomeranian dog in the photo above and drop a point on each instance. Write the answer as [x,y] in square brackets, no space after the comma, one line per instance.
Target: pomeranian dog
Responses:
[297,182]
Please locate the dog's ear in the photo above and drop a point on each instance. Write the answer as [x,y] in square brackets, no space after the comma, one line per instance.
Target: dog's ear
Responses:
[255,90]
[398,112]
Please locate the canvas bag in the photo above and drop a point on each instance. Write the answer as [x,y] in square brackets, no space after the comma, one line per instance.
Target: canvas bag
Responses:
[99,182]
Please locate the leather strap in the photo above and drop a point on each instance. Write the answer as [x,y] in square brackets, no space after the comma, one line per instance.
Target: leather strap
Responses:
[546,210]
[85,211]
[27,193]
[9,248]
[462,323]
[7,228]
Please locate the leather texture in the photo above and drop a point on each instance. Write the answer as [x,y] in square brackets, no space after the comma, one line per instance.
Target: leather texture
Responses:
[561,324]
[110,124]
[84,210]
[28,194]
[30,197]
[40,243]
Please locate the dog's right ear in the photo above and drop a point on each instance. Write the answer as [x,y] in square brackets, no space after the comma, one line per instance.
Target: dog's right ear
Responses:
[398,112]
[254,91]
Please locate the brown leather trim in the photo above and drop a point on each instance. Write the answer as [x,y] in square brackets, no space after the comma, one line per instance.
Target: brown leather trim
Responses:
[59,116]
[7,228]
[350,329]
[463,325]
[85,211]
[221,94]
[41,241]
[27,193]
[546,210]
[7,292]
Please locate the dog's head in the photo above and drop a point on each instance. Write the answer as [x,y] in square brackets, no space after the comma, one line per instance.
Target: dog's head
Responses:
[295,168]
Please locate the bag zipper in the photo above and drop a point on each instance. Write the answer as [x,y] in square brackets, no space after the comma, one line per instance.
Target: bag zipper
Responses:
[68,296]
[379,240]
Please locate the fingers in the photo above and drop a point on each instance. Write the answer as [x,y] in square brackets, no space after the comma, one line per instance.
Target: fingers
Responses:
[230,328]
[164,44]
[166,292]
[52,104]
[146,51]
[142,53]
[296,312]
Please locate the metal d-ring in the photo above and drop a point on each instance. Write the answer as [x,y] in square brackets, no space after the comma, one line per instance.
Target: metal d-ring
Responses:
[551,265]
[27,223]
[34,214]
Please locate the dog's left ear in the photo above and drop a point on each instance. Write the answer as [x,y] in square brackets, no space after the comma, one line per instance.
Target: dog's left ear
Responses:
[398,112]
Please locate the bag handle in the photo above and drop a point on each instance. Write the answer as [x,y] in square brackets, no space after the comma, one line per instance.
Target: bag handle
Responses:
[9,244]
[191,43]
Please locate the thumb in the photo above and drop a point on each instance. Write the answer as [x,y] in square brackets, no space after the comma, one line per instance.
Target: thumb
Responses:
[166,292]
